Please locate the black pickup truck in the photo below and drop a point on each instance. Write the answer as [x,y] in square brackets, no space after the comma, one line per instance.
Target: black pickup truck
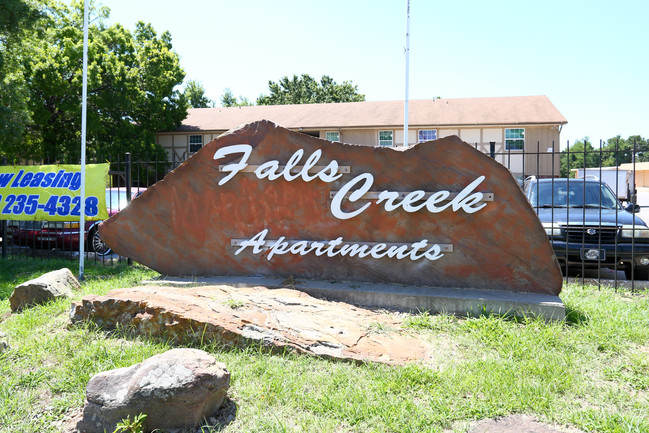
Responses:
[588,227]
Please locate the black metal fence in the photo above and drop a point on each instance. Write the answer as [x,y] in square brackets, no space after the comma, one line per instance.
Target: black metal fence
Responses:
[596,238]
[592,203]
[43,240]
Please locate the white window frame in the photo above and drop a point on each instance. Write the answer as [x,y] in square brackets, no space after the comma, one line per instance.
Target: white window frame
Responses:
[508,140]
[189,141]
[332,132]
[391,140]
[419,140]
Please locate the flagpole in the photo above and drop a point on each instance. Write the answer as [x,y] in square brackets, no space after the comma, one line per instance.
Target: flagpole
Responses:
[84,98]
[405,110]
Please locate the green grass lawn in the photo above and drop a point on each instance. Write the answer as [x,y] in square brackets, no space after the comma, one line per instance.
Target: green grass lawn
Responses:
[589,372]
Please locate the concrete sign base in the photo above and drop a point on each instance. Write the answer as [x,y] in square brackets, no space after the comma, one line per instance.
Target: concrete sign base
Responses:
[459,302]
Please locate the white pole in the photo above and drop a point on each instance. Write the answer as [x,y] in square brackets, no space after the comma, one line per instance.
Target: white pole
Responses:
[84,98]
[405,109]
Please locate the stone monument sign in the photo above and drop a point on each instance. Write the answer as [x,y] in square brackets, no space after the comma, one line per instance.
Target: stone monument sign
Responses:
[265,201]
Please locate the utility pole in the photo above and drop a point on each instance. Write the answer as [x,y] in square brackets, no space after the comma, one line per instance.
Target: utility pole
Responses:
[84,98]
[405,109]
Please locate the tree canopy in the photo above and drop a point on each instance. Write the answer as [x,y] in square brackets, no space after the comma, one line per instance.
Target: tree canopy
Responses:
[229,100]
[17,19]
[195,95]
[613,152]
[132,80]
[306,90]
[619,150]
[16,14]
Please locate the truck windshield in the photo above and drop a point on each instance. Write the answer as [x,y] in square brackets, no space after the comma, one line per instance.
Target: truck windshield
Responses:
[573,194]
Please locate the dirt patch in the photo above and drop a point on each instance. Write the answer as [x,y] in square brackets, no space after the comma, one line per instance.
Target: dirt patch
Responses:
[70,422]
[517,424]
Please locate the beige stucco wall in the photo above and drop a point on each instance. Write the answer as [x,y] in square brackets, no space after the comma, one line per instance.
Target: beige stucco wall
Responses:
[177,144]
[441,133]
[165,141]
[641,172]
[471,135]
[541,140]
[642,178]
[366,137]
[496,135]
[398,136]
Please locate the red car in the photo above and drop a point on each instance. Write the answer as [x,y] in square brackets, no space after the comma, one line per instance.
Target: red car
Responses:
[64,235]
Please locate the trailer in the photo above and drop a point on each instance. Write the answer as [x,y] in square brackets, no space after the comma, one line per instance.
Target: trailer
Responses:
[620,181]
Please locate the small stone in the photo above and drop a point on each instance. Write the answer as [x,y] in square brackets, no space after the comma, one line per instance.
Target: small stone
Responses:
[176,390]
[49,286]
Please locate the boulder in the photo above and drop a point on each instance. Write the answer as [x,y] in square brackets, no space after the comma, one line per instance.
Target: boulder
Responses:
[176,389]
[277,319]
[205,217]
[49,286]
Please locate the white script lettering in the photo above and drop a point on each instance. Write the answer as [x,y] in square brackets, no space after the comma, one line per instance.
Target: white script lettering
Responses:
[356,195]
[270,169]
[337,246]
[468,200]
[245,149]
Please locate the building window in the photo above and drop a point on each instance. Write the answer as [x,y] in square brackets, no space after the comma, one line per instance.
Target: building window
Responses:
[333,135]
[427,135]
[385,138]
[195,143]
[514,138]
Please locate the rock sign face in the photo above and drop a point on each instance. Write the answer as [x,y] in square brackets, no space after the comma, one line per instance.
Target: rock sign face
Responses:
[263,200]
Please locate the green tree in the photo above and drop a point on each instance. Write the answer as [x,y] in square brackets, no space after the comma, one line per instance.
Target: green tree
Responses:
[18,18]
[613,152]
[306,90]
[16,15]
[580,155]
[132,77]
[229,100]
[195,95]
[618,150]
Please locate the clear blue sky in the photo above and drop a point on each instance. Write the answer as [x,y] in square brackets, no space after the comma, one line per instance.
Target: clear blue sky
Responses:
[589,57]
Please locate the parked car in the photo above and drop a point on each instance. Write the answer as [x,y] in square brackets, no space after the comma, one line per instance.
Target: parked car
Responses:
[64,235]
[588,227]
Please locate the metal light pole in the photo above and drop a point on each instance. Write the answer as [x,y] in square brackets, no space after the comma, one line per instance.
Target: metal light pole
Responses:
[84,97]
[405,110]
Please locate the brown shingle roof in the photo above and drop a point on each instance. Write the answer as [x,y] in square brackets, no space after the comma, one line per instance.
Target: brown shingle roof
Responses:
[422,112]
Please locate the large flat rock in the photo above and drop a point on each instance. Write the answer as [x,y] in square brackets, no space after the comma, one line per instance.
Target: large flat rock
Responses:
[190,222]
[278,318]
